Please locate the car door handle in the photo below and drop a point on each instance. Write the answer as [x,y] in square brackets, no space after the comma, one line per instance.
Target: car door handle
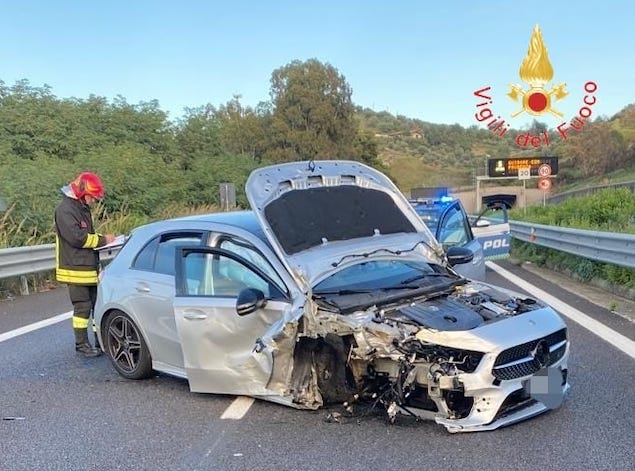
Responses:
[195,315]
[142,288]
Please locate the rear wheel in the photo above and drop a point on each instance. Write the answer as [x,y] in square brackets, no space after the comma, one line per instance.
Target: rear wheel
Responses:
[126,348]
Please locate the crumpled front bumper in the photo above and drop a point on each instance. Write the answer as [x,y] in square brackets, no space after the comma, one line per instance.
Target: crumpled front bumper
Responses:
[509,402]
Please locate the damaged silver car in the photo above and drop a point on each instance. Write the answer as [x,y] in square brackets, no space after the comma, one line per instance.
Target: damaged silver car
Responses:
[330,290]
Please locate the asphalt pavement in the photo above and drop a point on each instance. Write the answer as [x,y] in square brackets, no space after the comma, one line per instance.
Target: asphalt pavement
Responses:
[602,298]
[59,411]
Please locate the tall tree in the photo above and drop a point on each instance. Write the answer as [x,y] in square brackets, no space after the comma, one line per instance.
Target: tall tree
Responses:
[313,114]
[242,129]
[198,134]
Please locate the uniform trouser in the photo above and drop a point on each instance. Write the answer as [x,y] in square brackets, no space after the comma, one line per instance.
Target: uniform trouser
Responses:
[83,298]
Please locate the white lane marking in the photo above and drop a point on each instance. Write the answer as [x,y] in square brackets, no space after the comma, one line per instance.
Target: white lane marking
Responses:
[241,404]
[614,338]
[238,408]
[36,325]
[235,411]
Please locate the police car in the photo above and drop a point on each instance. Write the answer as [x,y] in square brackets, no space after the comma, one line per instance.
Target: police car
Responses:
[487,236]
[491,226]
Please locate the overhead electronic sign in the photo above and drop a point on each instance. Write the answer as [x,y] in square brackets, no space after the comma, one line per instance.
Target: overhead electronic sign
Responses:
[509,167]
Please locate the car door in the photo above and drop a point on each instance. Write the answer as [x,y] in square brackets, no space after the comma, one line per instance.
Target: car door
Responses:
[151,284]
[491,228]
[454,230]
[224,352]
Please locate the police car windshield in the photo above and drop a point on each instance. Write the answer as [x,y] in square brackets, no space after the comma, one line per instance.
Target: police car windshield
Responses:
[430,215]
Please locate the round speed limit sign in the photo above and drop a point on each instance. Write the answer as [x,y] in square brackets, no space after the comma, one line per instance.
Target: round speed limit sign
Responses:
[544,184]
[544,170]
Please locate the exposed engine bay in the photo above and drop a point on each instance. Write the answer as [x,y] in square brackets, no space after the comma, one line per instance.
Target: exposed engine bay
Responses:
[391,358]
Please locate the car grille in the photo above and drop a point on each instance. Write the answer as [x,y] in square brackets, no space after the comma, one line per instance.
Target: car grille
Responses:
[521,360]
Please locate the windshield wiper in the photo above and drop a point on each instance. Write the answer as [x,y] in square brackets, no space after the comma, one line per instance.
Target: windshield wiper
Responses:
[393,252]
[344,292]
[422,276]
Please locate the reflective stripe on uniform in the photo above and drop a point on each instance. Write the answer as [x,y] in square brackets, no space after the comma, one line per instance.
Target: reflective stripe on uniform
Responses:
[80,322]
[92,241]
[57,252]
[80,277]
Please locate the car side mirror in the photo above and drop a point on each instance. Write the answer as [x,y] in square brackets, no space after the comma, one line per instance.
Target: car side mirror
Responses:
[482,223]
[250,300]
[459,255]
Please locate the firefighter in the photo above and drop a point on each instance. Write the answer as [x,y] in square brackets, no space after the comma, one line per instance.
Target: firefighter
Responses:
[76,261]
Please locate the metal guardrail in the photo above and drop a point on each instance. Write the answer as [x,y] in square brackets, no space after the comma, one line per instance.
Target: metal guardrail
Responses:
[17,261]
[607,247]
[20,261]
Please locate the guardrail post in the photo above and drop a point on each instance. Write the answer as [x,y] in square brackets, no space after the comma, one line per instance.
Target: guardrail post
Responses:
[24,286]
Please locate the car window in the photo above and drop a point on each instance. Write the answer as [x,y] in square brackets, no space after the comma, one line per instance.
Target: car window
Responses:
[250,253]
[489,216]
[492,230]
[430,216]
[145,259]
[454,229]
[219,275]
[373,275]
[159,254]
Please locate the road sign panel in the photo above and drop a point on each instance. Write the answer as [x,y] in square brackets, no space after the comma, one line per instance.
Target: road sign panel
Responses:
[508,167]
[544,170]
[544,183]
[524,173]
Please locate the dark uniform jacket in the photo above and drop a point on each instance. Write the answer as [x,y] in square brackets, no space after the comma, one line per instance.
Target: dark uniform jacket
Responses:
[75,260]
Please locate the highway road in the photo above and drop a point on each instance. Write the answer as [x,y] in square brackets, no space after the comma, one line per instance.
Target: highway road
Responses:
[62,412]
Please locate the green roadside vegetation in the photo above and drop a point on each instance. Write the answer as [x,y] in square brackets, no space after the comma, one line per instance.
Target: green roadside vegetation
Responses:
[155,166]
[608,210]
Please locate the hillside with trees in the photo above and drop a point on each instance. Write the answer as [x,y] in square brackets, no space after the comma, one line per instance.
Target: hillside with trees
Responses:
[418,153]
[153,166]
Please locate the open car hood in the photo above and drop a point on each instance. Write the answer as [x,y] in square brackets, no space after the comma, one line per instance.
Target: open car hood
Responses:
[319,214]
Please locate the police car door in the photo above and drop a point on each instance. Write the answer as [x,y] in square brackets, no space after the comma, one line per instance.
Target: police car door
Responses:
[491,228]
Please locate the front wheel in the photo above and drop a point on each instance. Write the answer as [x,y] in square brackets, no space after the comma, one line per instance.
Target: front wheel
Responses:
[126,348]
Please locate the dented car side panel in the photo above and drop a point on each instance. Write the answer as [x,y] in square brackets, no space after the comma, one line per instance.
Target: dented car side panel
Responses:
[299,354]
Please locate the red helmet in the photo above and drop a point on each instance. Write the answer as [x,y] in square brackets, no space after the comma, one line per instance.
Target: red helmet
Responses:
[88,183]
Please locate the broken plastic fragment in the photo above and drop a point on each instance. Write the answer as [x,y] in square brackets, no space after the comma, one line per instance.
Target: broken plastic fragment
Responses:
[334,417]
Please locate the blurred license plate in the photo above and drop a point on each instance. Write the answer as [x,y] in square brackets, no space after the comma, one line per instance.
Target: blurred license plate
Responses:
[546,386]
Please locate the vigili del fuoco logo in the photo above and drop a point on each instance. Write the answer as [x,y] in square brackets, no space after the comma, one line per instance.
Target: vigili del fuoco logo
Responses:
[535,99]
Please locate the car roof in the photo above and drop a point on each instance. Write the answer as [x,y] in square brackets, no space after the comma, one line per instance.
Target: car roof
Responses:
[245,220]
[434,204]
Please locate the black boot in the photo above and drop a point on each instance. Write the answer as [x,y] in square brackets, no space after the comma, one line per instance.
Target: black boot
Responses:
[87,350]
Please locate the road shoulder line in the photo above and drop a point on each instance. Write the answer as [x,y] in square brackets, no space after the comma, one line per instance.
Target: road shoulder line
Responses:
[616,339]
[35,326]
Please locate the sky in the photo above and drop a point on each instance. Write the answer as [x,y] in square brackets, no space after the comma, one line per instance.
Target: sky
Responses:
[419,59]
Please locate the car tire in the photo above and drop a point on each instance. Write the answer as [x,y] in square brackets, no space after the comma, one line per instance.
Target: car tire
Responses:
[126,347]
